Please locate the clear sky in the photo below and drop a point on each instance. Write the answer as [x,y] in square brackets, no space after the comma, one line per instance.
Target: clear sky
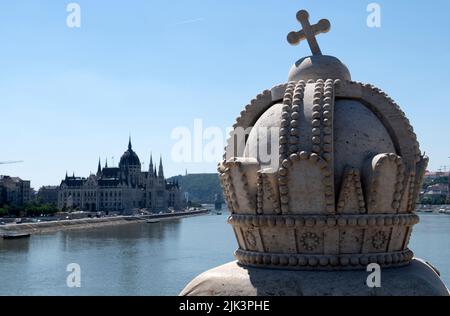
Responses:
[145,67]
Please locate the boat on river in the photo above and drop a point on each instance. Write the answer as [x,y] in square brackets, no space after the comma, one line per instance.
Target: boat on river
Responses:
[16,236]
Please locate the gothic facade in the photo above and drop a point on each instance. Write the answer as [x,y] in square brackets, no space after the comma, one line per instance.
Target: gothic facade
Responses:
[121,189]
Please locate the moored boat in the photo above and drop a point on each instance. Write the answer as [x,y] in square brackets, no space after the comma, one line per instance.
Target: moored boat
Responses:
[16,236]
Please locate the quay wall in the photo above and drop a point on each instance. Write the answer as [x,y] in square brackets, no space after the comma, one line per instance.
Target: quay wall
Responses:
[87,223]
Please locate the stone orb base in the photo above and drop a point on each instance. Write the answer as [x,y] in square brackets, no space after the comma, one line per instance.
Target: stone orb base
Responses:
[232,279]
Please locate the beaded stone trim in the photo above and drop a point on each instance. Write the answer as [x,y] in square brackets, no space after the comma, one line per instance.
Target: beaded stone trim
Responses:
[325,262]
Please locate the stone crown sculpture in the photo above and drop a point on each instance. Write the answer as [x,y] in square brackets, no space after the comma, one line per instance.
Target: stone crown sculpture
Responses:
[348,170]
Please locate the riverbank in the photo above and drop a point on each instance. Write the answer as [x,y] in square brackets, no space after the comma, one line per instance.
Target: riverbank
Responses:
[90,223]
[443,209]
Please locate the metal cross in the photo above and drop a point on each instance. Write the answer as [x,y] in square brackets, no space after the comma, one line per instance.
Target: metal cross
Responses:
[309,32]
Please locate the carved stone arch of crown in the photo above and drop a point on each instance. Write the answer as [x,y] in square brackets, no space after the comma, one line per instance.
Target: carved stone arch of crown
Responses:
[399,129]
[390,115]
[388,112]
[384,107]
[252,112]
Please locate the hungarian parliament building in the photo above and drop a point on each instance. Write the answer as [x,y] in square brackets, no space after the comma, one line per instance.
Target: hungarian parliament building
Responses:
[121,189]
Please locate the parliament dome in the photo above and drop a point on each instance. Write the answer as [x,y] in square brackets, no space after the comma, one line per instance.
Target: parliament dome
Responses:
[129,158]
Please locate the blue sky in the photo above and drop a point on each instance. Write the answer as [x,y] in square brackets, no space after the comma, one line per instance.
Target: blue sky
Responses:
[68,96]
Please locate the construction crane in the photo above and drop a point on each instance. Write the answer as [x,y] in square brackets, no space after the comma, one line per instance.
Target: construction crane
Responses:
[445,168]
[10,162]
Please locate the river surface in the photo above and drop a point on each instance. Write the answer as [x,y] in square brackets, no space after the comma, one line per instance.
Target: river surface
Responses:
[153,259]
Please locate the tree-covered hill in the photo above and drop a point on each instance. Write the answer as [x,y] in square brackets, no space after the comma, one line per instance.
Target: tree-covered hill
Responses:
[202,187]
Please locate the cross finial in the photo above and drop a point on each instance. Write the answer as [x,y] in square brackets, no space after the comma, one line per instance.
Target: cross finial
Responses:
[309,32]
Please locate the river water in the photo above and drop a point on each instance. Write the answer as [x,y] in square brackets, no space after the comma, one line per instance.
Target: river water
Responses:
[153,259]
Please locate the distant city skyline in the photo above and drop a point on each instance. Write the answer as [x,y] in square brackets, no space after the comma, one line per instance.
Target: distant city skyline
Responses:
[69,96]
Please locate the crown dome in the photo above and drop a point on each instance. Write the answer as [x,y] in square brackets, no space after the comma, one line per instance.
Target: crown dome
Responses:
[358,133]
[322,172]
[340,188]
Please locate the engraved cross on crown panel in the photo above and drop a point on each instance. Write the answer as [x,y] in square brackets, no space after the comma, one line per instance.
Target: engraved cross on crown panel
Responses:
[309,32]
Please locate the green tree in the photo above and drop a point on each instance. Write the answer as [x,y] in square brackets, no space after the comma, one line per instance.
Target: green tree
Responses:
[3,212]
[7,210]
[37,209]
[440,180]
[201,187]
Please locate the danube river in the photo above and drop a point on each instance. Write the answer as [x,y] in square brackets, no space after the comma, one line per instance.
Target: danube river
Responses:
[152,259]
